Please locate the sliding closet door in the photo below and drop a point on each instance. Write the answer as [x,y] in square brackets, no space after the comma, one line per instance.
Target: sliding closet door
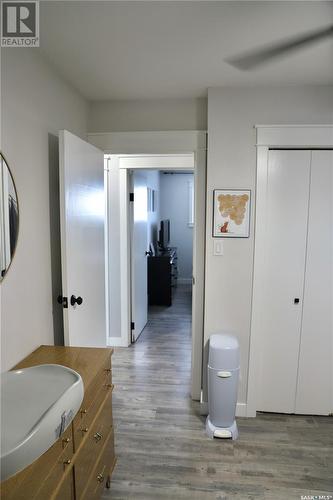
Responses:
[314,386]
[286,228]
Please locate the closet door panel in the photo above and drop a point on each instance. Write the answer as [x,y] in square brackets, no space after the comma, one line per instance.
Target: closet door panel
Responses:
[286,229]
[314,388]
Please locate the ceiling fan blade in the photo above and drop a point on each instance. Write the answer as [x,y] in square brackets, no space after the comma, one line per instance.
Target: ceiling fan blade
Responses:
[254,58]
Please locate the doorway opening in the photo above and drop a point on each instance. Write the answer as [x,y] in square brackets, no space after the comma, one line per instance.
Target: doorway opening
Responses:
[154,248]
[161,248]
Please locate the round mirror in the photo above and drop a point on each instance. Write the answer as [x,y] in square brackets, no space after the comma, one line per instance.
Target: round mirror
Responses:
[9,217]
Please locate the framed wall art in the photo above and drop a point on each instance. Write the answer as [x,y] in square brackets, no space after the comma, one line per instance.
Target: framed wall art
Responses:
[231,213]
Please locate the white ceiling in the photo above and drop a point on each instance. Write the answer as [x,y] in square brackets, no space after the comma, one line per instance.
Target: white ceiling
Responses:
[174,49]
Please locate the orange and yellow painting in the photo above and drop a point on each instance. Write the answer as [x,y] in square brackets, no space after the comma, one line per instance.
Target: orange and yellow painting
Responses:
[231,213]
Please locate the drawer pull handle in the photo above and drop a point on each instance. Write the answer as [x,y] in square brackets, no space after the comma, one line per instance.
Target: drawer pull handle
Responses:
[67,462]
[83,412]
[98,436]
[108,370]
[85,429]
[66,440]
[100,478]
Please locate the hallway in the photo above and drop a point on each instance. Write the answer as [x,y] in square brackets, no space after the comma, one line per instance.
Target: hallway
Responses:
[162,449]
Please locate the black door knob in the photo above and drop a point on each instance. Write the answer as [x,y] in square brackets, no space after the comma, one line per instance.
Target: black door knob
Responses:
[75,300]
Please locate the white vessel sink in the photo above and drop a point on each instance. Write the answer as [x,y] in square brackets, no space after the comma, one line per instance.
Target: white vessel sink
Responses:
[37,405]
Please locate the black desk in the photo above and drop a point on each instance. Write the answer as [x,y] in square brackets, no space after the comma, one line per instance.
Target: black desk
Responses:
[162,277]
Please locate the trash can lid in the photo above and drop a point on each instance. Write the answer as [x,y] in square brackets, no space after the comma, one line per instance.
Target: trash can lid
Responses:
[223,351]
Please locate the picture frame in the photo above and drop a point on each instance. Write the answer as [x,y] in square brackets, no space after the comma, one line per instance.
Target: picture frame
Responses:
[231,213]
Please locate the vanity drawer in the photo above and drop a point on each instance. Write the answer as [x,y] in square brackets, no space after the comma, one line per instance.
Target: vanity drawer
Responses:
[102,379]
[91,404]
[65,490]
[102,471]
[29,482]
[57,473]
[93,445]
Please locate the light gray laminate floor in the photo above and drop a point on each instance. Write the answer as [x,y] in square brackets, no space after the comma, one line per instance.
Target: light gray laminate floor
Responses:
[161,445]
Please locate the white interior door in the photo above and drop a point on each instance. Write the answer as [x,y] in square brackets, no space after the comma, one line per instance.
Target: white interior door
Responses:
[286,230]
[82,216]
[139,256]
[314,386]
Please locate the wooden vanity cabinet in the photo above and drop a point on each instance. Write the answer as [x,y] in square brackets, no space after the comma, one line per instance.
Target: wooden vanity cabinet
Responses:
[79,465]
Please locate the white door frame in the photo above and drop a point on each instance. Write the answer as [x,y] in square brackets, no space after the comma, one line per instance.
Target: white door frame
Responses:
[269,137]
[129,147]
[143,162]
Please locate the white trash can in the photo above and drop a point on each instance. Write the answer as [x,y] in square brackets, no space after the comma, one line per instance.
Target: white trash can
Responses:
[223,372]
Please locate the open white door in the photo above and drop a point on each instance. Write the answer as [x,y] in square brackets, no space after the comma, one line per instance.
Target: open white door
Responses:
[82,215]
[139,255]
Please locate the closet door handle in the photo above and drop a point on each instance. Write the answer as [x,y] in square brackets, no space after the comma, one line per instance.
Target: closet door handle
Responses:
[296,300]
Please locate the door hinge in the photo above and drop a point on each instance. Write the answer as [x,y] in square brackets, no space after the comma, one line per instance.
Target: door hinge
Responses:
[131,197]
[132,325]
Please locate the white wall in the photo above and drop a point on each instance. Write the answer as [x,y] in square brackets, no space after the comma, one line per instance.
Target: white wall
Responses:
[162,114]
[232,113]
[36,103]
[174,205]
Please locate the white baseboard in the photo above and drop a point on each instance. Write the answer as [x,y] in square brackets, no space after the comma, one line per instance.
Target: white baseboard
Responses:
[116,342]
[240,409]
